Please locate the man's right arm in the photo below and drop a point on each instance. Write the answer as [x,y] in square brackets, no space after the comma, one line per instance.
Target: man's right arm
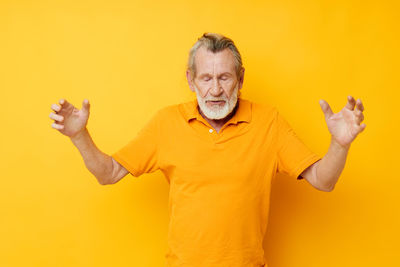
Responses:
[106,169]
[72,122]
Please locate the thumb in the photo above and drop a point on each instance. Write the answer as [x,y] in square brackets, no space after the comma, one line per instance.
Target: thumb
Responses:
[85,105]
[325,108]
[361,128]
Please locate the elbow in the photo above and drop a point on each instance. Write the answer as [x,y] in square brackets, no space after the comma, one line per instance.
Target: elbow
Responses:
[323,186]
[105,181]
[102,183]
[105,178]
[327,188]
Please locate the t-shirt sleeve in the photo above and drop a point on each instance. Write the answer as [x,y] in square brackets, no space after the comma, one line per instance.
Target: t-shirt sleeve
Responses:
[293,155]
[140,154]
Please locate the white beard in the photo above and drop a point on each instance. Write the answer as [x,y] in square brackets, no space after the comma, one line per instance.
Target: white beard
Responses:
[217,112]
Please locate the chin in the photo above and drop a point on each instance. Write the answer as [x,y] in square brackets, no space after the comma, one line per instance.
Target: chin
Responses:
[218,113]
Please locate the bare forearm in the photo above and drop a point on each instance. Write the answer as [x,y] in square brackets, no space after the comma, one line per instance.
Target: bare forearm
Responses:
[97,162]
[331,165]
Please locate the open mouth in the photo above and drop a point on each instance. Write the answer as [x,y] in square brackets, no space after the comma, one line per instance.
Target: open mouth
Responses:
[216,102]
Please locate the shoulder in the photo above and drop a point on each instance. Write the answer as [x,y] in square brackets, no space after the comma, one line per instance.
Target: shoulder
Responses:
[262,111]
[173,111]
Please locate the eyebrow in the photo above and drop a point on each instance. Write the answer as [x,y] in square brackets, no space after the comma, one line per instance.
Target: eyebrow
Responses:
[207,74]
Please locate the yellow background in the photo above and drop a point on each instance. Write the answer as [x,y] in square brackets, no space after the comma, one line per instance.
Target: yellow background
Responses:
[128,58]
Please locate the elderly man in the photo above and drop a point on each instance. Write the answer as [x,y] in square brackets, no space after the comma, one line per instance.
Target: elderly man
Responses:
[219,153]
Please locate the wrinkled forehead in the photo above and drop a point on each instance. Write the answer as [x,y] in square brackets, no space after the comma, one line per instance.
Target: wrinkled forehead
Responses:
[214,63]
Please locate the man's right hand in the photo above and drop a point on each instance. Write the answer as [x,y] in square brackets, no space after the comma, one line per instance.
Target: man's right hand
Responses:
[69,120]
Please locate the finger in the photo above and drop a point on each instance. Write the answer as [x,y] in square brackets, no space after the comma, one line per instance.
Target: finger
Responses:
[55,107]
[56,117]
[350,102]
[64,103]
[85,105]
[325,108]
[360,128]
[57,126]
[359,105]
[359,116]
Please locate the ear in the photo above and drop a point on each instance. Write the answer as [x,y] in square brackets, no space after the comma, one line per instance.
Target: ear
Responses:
[241,78]
[189,80]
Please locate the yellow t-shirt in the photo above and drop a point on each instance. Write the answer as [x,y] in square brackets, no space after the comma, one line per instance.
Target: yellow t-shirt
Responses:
[219,182]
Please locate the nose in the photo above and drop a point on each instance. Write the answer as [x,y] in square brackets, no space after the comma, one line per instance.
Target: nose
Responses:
[216,89]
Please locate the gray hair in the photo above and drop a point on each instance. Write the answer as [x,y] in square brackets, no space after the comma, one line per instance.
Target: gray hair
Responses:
[214,42]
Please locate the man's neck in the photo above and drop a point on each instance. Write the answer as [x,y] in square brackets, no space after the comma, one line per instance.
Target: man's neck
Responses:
[218,124]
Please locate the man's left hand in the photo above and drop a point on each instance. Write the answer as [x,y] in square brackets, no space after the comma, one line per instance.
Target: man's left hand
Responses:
[344,126]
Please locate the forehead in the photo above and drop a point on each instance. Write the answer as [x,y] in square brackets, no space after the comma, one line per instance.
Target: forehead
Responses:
[209,62]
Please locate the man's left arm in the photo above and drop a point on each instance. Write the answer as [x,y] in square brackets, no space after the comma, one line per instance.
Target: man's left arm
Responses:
[344,127]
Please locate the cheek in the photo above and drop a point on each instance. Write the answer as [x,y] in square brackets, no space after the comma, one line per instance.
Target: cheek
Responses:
[202,87]
[229,86]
